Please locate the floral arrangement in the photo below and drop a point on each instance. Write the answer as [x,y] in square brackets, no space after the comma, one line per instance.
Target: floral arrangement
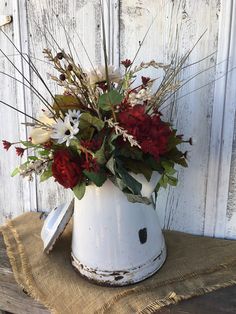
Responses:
[106,125]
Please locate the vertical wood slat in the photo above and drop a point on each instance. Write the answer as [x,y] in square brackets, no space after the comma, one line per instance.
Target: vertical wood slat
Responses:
[24,98]
[81,18]
[222,127]
[229,132]
[177,27]
[11,203]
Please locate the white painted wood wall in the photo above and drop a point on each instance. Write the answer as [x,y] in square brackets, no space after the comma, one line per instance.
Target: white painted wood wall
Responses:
[205,200]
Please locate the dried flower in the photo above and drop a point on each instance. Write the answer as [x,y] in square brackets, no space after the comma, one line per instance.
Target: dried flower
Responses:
[145,80]
[126,63]
[20,151]
[6,144]
[39,134]
[98,74]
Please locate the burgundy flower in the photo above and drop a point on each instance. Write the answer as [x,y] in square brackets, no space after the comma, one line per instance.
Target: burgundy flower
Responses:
[6,144]
[126,63]
[19,151]
[93,144]
[151,133]
[90,164]
[66,169]
[145,80]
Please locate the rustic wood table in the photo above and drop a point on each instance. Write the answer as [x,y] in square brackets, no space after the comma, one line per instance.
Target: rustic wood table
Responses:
[13,299]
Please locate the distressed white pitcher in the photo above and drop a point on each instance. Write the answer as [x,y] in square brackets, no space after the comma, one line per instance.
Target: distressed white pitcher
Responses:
[116,242]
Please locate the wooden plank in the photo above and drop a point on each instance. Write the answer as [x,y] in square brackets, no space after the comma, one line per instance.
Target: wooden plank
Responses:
[222,126]
[230,126]
[12,298]
[221,301]
[80,18]
[177,27]
[11,202]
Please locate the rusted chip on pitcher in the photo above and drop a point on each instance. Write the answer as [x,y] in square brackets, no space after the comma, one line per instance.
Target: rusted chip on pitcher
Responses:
[55,224]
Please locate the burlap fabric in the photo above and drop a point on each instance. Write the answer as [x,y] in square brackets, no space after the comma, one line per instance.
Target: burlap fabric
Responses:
[195,265]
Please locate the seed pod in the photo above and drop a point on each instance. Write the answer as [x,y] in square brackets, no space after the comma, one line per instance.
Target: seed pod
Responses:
[70,67]
[60,55]
[62,77]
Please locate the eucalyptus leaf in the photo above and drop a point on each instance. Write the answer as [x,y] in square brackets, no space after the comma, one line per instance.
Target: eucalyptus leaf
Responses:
[134,186]
[79,190]
[96,177]
[111,165]
[138,199]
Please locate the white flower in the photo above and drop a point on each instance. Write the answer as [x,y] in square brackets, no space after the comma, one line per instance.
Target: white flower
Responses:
[64,131]
[143,95]
[98,74]
[40,135]
[73,115]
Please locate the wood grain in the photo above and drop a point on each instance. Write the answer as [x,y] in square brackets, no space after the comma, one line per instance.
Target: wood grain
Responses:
[177,26]
[13,299]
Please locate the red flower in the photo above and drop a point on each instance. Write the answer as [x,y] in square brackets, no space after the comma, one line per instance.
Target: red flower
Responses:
[6,144]
[93,144]
[151,133]
[126,63]
[145,80]
[90,164]
[66,169]
[19,151]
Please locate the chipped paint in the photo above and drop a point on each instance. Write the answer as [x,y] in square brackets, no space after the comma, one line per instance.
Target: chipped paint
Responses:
[120,277]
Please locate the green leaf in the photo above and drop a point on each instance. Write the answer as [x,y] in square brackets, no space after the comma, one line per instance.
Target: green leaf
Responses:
[172,180]
[133,185]
[86,120]
[163,181]
[96,177]
[136,167]
[79,190]
[131,152]
[28,144]
[45,152]
[15,172]
[46,175]
[100,154]
[111,146]
[138,199]
[108,100]
[168,166]
[32,158]
[111,165]
[66,102]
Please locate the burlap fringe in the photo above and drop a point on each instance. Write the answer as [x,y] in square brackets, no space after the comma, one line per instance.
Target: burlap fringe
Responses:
[172,298]
[29,283]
